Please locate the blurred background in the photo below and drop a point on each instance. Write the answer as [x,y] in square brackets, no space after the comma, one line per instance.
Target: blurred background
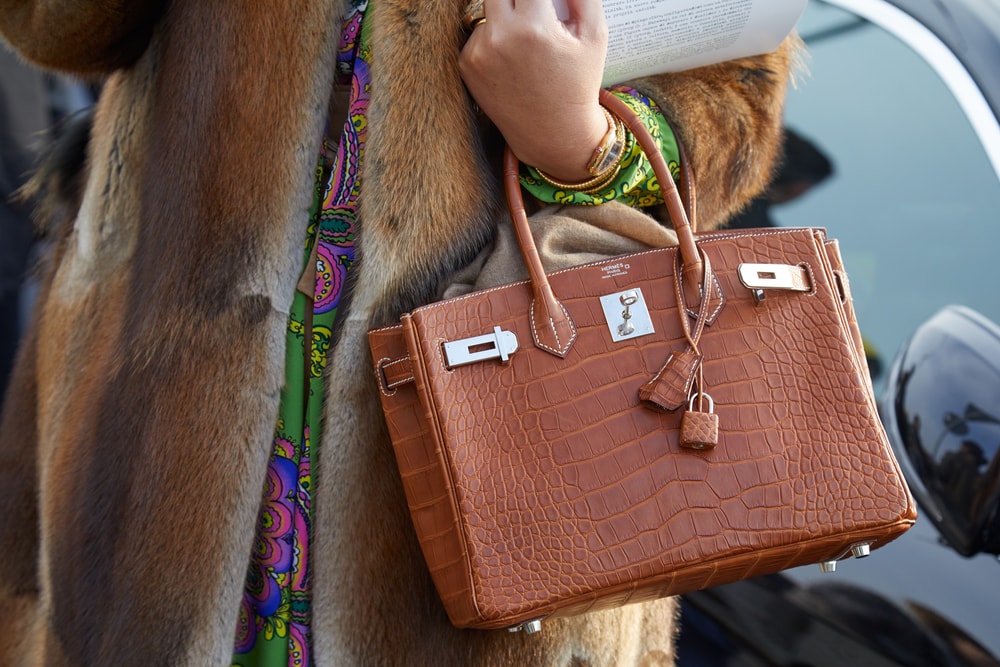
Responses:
[913,197]
[34,106]
[894,148]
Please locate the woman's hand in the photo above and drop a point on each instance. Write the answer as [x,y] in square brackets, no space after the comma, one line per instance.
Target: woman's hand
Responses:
[537,78]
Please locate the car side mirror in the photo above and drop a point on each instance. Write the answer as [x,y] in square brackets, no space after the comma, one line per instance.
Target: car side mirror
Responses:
[942,412]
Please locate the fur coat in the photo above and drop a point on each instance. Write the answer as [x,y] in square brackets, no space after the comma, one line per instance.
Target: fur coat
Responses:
[138,425]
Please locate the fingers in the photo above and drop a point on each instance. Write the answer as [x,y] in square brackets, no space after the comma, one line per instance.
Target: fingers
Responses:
[590,12]
[583,19]
[588,15]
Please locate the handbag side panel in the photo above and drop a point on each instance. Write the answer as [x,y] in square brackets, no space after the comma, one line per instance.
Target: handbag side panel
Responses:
[424,472]
[843,289]
[844,286]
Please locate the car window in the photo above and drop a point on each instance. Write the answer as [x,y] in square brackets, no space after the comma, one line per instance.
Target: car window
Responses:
[912,196]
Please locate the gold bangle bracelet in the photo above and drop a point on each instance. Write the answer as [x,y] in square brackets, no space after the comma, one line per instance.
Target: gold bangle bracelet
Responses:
[612,175]
[586,187]
[606,145]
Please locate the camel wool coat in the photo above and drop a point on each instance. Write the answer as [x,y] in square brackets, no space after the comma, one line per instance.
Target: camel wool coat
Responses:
[139,420]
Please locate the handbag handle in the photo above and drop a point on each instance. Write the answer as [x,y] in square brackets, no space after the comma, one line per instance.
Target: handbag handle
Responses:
[551,325]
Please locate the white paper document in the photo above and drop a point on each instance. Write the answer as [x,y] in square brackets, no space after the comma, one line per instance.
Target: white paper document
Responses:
[654,36]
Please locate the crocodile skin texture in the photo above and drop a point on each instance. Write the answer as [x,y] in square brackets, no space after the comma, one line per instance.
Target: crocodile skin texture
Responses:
[669,389]
[545,487]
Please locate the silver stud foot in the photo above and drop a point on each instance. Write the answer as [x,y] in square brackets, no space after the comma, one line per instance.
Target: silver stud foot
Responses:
[528,627]
[861,550]
[828,566]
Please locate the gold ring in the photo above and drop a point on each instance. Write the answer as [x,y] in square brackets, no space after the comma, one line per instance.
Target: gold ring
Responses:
[474,14]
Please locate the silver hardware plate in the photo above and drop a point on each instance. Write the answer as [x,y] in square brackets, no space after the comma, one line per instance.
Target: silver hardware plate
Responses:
[627,315]
[497,345]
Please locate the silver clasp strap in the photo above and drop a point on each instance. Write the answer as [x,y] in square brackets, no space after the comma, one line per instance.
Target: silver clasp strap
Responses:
[497,345]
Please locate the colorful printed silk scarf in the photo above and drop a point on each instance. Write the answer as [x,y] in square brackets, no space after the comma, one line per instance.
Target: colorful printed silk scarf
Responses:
[274,622]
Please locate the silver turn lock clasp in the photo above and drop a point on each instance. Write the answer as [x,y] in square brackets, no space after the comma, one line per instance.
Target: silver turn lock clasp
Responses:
[760,277]
[497,345]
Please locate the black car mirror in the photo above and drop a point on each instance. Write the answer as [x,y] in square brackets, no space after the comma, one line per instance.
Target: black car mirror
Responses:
[942,412]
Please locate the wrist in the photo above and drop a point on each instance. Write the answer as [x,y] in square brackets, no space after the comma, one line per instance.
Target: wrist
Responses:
[603,164]
[567,156]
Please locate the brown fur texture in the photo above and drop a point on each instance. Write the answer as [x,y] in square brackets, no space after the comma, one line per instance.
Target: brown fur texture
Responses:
[138,426]
[80,37]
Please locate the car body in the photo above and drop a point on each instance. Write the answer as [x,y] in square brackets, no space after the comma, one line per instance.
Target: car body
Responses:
[902,98]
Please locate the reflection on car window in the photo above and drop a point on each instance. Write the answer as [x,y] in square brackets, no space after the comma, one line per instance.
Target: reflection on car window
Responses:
[910,192]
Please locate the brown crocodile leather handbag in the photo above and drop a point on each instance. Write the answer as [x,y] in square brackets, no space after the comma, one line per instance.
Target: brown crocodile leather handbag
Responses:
[638,427]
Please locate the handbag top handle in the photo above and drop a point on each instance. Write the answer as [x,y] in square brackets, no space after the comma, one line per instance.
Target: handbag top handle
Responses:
[552,327]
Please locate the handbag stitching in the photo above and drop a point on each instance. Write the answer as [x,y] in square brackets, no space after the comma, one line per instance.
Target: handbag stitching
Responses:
[718,308]
[534,332]
[439,349]
[383,363]
[401,381]
[687,383]
[380,379]
[388,327]
[711,236]
[812,279]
